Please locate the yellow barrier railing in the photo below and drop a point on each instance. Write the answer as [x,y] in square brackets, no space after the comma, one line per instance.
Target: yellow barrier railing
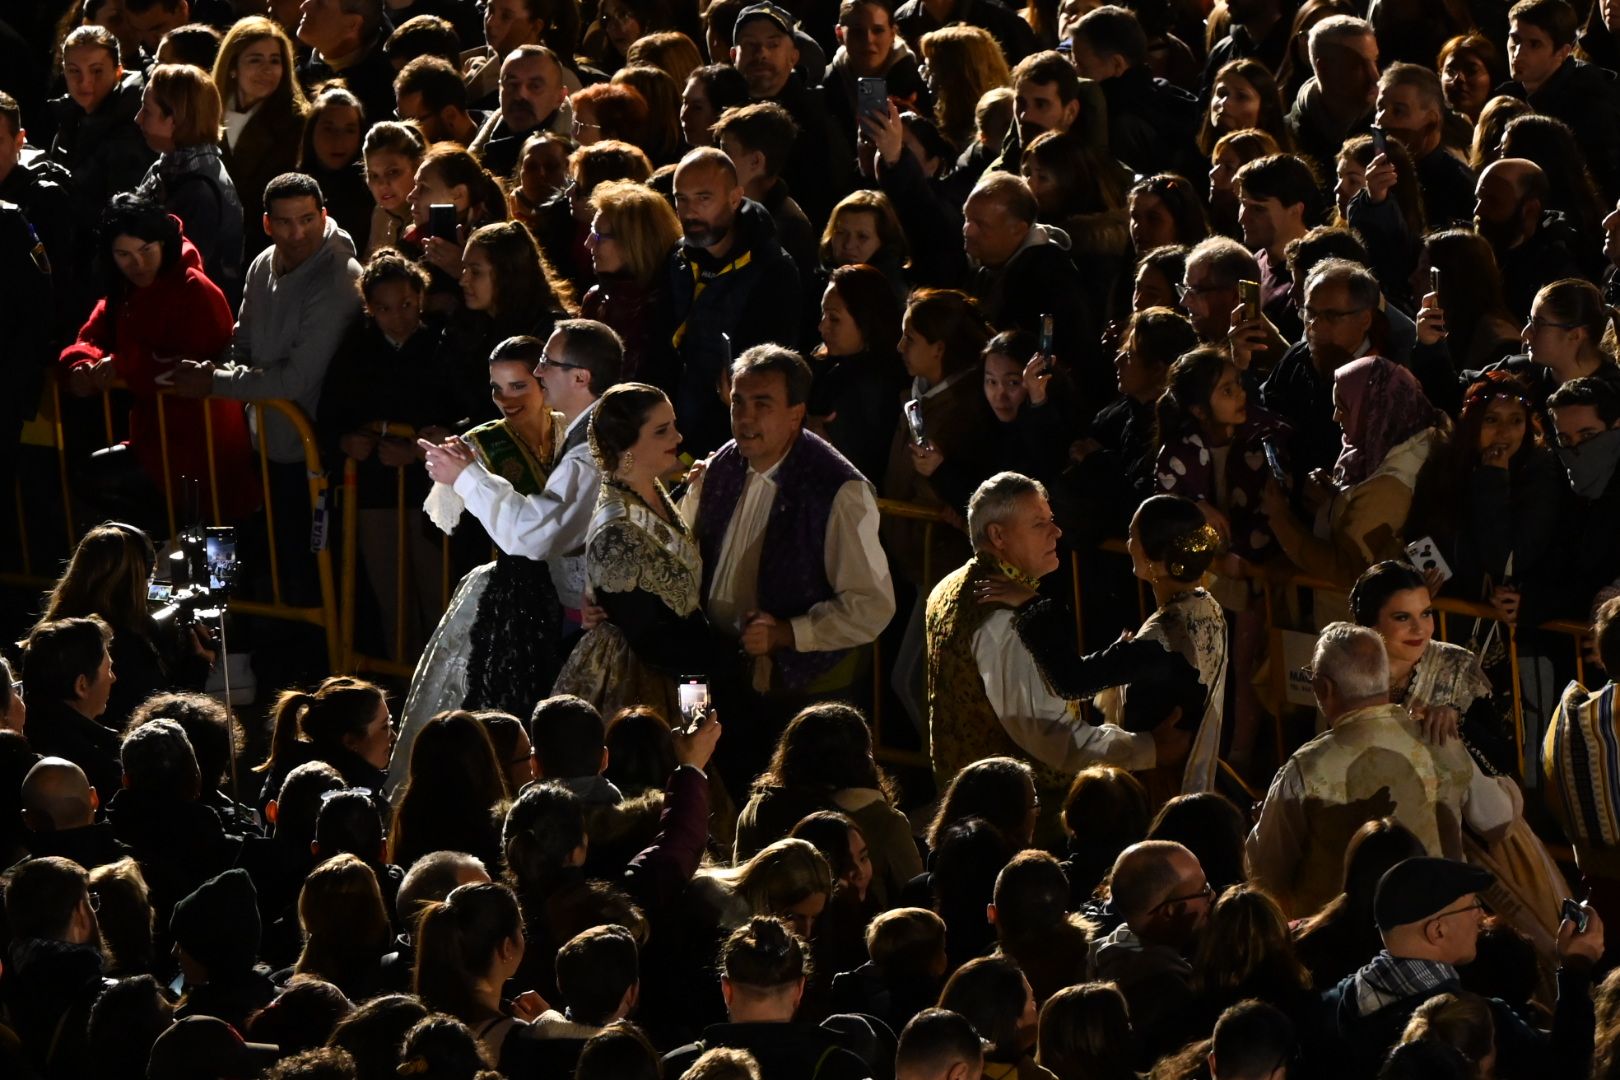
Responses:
[397,663]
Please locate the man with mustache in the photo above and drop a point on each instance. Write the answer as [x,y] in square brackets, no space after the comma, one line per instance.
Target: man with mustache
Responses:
[732,286]
[534,96]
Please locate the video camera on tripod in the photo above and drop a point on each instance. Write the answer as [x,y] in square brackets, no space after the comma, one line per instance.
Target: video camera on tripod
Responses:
[201,573]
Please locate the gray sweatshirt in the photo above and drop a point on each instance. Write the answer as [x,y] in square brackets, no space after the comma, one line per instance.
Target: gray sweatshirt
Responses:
[289,327]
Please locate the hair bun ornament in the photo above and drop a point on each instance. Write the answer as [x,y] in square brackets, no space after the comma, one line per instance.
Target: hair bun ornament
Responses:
[413,1066]
[1189,546]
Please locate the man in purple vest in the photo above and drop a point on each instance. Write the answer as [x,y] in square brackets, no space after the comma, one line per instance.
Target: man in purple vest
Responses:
[788,530]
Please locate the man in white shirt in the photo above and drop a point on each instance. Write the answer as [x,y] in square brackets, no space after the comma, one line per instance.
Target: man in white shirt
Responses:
[986,696]
[581,359]
[1372,762]
[824,590]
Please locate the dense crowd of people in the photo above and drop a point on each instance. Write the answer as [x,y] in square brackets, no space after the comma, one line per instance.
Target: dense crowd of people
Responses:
[770,366]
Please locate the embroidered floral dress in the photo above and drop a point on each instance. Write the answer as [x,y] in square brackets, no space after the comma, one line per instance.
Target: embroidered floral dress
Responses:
[645,571]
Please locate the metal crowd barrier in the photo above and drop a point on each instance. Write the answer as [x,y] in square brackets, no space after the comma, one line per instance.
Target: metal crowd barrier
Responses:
[397,663]
[323,614]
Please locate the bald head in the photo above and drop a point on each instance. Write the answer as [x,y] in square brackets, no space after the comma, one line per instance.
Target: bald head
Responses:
[1524,174]
[1507,202]
[56,796]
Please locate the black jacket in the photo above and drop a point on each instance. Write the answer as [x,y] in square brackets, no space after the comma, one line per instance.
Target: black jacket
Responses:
[821,166]
[371,79]
[44,191]
[55,729]
[1301,395]
[750,294]
[1041,278]
[1584,96]
[1152,125]
[1350,1046]
[90,846]
[27,282]
[1447,184]
[105,151]
[1549,254]
[178,842]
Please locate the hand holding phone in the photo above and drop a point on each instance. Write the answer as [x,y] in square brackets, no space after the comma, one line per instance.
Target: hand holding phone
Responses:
[914,422]
[692,696]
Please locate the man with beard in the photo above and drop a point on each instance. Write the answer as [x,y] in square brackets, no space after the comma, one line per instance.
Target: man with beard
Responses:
[1047,96]
[821,168]
[729,278]
[1341,300]
[1533,245]
[533,98]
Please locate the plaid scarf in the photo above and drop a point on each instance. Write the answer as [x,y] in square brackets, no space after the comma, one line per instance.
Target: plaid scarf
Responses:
[1387,980]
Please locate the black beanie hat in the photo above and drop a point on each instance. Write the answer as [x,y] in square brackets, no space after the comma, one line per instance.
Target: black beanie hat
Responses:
[218,924]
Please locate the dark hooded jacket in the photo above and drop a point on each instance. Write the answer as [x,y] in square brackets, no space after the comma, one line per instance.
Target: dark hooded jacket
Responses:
[104,150]
[751,294]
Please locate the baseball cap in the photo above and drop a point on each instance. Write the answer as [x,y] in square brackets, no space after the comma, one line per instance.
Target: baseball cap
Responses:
[781,16]
[1416,889]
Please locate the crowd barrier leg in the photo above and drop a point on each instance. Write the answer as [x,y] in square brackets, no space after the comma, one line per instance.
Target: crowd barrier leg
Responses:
[62,463]
[350,569]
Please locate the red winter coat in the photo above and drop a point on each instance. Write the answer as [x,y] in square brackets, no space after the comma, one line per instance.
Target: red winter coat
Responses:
[181,314]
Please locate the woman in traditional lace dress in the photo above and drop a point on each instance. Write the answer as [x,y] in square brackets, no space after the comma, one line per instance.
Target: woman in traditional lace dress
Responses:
[641,564]
[496,646]
[1172,671]
[1446,690]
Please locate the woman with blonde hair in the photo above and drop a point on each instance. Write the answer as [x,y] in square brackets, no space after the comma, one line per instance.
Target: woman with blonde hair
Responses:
[633,230]
[963,63]
[346,929]
[1464,1022]
[107,577]
[668,50]
[264,113]
[180,118]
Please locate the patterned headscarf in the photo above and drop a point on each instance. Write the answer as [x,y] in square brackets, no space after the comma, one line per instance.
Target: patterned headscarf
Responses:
[1384,406]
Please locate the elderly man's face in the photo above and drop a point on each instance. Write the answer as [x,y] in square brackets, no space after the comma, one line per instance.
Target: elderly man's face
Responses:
[1334,326]
[1027,538]
[989,233]
[1348,70]
[531,90]
[1208,303]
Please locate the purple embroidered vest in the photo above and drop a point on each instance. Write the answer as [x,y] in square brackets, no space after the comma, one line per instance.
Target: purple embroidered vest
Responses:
[793,577]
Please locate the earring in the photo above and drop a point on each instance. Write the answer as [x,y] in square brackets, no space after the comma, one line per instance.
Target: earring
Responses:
[626,463]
